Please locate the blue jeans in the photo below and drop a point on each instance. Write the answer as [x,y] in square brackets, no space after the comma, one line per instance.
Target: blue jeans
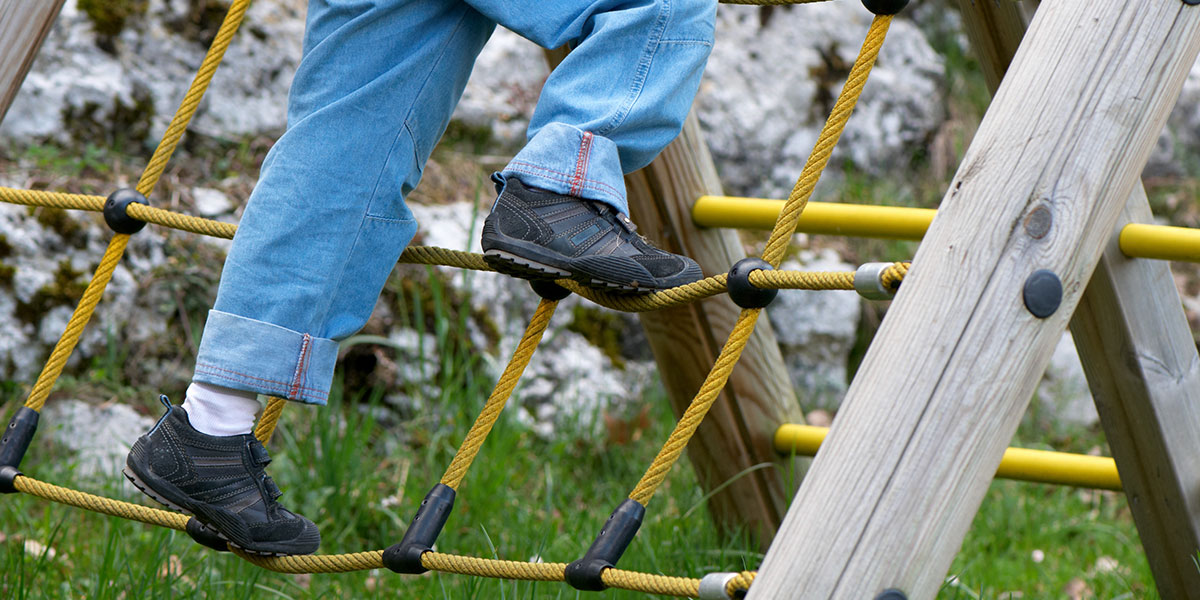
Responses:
[374,92]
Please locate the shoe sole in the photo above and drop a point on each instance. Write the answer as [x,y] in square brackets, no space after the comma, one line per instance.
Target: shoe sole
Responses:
[161,498]
[525,268]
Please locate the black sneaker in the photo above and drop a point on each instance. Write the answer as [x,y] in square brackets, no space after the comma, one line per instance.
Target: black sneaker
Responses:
[221,482]
[535,234]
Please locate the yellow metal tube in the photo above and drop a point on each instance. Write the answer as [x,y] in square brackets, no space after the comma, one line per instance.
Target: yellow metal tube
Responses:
[895,222]
[1041,466]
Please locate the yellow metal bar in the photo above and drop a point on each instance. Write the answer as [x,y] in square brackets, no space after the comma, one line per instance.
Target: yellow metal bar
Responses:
[895,222]
[1041,466]
[1160,241]
[818,217]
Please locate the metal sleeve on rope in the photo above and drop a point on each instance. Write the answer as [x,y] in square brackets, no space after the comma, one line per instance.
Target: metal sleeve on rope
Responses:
[868,281]
[713,586]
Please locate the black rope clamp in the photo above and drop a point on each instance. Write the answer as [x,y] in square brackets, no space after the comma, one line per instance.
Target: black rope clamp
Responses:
[622,525]
[114,211]
[885,7]
[741,291]
[205,535]
[548,289]
[405,557]
[13,445]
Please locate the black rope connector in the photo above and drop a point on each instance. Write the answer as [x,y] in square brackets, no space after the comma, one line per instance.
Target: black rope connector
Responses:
[14,443]
[8,478]
[1042,293]
[405,557]
[885,7]
[741,291]
[114,211]
[614,538]
[205,535]
[548,289]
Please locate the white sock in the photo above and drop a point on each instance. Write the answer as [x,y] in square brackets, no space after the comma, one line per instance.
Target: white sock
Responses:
[220,411]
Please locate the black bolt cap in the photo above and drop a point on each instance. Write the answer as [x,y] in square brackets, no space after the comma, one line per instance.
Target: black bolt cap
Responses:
[114,211]
[886,7]
[1042,293]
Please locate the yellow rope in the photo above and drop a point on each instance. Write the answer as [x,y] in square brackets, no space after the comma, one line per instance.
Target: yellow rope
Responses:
[495,403]
[108,506]
[191,100]
[740,583]
[83,312]
[695,412]
[785,226]
[360,561]
[55,199]
[773,254]
[270,417]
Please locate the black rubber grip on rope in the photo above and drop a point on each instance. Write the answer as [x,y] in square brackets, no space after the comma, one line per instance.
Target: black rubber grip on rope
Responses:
[885,7]
[14,443]
[548,289]
[205,536]
[622,525]
[114,211]
[405,557]
[741,291]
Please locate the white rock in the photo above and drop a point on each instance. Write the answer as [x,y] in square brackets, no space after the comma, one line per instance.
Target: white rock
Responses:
[100,436]
[211,202]
[816,330]
[768,89]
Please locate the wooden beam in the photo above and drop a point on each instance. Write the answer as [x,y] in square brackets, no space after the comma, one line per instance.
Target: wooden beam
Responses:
[23,26]
[1142,367]
[1141,363]
[942,388]
[735,443]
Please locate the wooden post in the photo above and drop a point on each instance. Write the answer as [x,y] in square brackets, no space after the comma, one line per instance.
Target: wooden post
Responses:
[941,390]
[23,26]
[1140,360]
[736,441]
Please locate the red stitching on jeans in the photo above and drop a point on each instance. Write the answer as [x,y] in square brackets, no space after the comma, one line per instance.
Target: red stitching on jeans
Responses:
[216,371]
[301,365]
[581,162]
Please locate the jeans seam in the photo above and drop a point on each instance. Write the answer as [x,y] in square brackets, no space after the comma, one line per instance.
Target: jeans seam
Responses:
[563,179]
[643,69]
[581,162]
[301,366]
[532,169]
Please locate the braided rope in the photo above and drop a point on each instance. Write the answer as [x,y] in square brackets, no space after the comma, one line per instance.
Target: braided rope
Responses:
[776,247]
[53,199]
[740,583]
[100,504]
[785,226]
[83,312]
[269,419]
[495,403]
[191,100]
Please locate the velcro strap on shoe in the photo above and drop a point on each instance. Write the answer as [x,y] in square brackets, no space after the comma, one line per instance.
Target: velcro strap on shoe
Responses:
[272,490]
[258,453]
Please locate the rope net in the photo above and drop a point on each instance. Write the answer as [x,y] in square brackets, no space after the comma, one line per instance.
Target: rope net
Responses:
[673,447]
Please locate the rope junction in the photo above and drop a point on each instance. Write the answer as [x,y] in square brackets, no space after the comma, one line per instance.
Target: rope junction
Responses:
[728,585]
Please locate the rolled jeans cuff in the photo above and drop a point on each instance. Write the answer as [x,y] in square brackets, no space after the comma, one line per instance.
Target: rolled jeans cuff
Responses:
[251,355]
[568,160]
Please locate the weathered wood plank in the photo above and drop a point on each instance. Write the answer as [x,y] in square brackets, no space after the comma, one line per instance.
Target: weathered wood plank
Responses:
[1141,363]
[23,26]
[889,499]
